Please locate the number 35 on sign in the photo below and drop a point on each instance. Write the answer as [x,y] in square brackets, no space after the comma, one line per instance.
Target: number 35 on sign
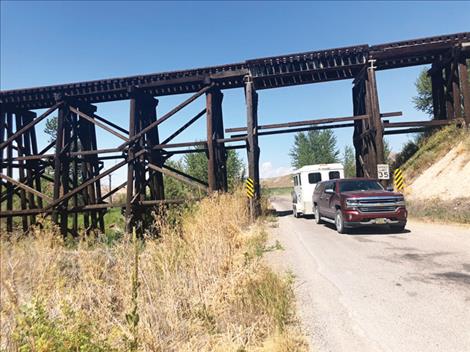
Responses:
[383,172]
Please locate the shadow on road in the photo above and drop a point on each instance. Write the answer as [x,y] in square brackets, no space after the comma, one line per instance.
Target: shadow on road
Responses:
[280,213]
[379,230]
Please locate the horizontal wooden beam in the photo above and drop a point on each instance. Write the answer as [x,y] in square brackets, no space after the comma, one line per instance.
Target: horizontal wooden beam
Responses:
[320,121]
[79,209]
[422,123]
[300,129]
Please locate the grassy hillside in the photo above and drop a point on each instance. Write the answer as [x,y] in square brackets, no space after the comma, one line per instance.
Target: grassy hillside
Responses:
[433,148]
[201,286]
[432,177]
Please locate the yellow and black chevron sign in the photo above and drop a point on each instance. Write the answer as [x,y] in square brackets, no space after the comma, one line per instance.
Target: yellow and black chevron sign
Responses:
[398,180]
[250,188]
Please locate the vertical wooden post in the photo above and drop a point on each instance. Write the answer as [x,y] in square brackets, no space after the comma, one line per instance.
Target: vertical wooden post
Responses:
[74,121]
[130,166]
[36,164]
[21,171]
[211,162]
[58,157]
[65,170]
[456,99]
[220,151]
[450,113]
[157,190]
[358,129]
[2,139]
[465,87]
[9,121]
[376,121]
[216,158]
[99,214]
[27,117]
[251,98]
[438,94]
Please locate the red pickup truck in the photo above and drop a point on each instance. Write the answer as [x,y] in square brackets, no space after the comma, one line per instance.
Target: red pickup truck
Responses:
[357,202]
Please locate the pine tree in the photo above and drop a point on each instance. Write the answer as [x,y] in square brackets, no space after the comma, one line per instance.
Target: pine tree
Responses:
[314,147]
[349,162]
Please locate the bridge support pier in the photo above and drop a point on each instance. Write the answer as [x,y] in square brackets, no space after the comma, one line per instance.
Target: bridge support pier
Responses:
[450,87]
[216,154]
[251,98]
[368,133]
[465,88]
[142,114]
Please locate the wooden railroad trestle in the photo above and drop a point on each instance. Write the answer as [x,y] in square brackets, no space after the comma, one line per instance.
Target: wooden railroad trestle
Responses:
[78,163]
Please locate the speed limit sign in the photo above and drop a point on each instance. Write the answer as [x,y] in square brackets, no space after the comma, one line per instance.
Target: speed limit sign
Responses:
[383,172]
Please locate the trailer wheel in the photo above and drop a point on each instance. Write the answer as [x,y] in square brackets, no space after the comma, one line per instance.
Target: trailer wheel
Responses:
[294,211]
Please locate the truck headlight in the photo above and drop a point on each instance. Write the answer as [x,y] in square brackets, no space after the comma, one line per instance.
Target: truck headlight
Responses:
[351,203]
[400,202]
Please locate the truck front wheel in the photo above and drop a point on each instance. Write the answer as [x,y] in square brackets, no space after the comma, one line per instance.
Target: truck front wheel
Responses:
[316,210]
[339,222]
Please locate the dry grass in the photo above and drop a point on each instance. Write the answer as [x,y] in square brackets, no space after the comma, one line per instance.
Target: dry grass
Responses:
[438,210]
[202,286]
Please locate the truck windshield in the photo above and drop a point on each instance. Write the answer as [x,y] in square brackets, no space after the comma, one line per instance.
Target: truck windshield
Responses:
[360,185]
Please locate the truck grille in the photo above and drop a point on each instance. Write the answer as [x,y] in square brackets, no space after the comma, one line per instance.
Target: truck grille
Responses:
[376,209]
[377,204]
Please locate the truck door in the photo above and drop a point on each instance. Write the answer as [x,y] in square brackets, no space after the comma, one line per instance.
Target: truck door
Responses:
[327,200]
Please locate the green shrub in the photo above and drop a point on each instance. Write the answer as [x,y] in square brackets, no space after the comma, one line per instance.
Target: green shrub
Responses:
[37,330]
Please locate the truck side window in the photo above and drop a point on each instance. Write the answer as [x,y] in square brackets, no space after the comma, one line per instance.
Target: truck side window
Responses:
[333,174]
[329,185]
[314,177]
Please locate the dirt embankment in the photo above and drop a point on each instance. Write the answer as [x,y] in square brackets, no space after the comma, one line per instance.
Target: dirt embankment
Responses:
[277,182]
[437,177]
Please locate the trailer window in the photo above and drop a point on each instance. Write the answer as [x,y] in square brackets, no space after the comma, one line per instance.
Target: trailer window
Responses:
[333,174]
[314,177]
[295,180]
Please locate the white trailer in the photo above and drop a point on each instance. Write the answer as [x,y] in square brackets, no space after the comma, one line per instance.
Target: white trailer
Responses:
[305,180]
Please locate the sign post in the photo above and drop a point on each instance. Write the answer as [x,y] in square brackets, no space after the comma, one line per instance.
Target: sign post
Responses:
[383,171]
[250,193]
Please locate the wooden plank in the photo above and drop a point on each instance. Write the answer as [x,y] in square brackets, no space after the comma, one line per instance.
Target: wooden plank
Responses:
[184,127]
[89,182]
[99,124]
[29,126]
[25,187]
[191,181]
[421,123]
[409,130]
[166,116]
[113,125]
[302,123]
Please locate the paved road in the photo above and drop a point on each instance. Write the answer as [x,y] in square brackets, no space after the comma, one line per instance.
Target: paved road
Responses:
[377,290]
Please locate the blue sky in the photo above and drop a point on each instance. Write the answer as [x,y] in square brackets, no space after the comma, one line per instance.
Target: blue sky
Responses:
[55,42]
